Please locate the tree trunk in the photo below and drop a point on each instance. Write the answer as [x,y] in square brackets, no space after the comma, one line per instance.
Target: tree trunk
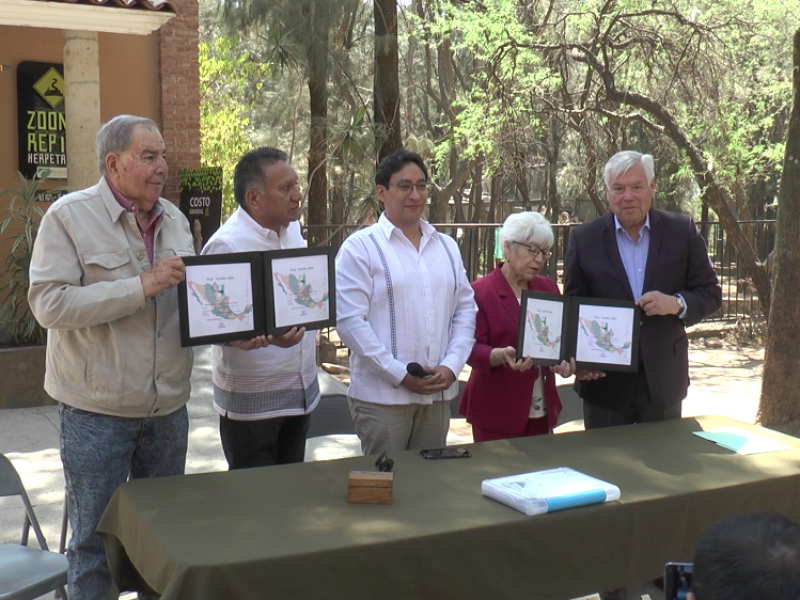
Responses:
[460,176]
[458,207]
[553,155]
[410,78]
[433,204]
[447,75]
[496,215]
[317,51]
[386,90]
[743,210]
[471,245]
[476,210]
[452,216]
[426,111]
[496,199]
[591,184]
[780,388]
[351,192]
[342,44]
[337,207]
[521,179]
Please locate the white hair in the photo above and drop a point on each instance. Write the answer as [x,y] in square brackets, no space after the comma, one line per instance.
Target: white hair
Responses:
[117,135]
[527,227]
[621,163]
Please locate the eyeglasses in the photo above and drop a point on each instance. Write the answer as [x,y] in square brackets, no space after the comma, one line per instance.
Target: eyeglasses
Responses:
[534,251]
[405,187]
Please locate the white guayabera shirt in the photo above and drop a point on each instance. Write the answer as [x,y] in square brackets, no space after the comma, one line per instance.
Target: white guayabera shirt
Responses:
[269,382]
[396,304]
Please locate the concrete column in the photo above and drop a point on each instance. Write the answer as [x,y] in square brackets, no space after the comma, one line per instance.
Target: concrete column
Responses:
[81,106]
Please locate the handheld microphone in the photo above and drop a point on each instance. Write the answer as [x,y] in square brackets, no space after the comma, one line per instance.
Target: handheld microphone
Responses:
[415,370]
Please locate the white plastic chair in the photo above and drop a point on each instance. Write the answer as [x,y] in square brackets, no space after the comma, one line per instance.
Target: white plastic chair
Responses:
[27,573]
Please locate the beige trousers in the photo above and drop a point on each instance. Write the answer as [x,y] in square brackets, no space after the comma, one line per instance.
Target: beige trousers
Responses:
[395,428]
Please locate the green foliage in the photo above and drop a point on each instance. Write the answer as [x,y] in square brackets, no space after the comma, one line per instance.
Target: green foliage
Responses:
[352,138]
[740,117]
[500,81]
[508,83]
[364,205]
[204,179]
[23,217]
[230,84]
[717,70]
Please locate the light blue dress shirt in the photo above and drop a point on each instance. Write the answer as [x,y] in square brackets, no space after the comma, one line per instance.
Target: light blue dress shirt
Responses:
[634,257]
[634,254]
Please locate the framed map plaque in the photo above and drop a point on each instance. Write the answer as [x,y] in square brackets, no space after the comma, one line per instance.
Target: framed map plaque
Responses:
[238,296]
[599,334]
[300,289]
[543,321]
[219,297]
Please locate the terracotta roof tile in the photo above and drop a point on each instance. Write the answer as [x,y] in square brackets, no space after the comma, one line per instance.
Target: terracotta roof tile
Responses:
[134,4]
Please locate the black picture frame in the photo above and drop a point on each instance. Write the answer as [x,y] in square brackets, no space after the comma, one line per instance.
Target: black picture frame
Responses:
[266,320]
[579,318]
[284,313]
[558,309]
[219,266]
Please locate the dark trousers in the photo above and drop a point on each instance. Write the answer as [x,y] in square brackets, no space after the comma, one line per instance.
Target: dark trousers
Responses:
[278,441]
[640,409]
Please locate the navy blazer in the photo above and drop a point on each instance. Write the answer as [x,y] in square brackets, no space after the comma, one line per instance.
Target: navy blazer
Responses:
[677,263]
[498,398]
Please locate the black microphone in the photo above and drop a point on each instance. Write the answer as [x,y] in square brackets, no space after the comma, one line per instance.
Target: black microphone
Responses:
[415,370]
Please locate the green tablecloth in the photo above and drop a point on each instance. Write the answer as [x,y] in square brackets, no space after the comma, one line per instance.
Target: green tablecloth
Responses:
[287,532]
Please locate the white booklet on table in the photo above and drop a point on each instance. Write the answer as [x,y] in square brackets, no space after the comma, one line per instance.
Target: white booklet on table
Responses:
[548,491]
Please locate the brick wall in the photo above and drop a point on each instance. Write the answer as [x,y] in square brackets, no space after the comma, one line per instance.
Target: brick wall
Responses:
[180,92]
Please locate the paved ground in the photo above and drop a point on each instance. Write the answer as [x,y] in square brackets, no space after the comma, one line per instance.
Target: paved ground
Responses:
[725,380]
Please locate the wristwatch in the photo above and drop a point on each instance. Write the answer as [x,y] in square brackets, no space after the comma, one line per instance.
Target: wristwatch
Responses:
[681,304]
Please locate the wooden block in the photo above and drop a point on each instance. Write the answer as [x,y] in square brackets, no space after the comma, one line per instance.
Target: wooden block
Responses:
[370,487]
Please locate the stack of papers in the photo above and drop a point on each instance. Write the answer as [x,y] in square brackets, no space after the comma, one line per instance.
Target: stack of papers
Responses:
[547,491]
[740,440]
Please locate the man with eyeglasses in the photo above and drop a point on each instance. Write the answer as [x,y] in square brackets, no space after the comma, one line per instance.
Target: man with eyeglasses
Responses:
[403,297]
[657,259]
[264,388]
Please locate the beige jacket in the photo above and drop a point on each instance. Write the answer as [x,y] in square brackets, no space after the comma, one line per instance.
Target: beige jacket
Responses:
[109,350]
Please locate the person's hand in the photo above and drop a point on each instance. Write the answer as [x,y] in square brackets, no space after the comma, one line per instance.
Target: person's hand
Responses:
[508,356]
[448,377]
[588,374]
[565,369]
[655,303]
[257,342]
[291,338]
[165,273]
[441,378]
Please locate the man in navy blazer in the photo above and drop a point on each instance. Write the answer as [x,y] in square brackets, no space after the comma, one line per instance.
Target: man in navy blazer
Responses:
[657,259]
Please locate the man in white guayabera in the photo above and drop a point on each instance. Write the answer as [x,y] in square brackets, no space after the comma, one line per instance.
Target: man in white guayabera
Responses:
[264,388]
[406,311]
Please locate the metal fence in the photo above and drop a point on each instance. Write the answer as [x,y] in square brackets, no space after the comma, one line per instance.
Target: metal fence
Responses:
[479,253]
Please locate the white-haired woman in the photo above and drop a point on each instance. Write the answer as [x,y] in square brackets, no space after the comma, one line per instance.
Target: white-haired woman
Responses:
[504,397]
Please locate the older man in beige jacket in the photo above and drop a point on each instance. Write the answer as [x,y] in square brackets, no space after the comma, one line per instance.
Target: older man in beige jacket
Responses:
[105,265]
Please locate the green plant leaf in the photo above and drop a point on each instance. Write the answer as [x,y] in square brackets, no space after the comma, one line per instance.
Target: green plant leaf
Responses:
[22,221]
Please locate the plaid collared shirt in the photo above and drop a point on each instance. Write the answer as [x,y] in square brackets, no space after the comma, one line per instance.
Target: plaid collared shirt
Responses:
[149,232]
